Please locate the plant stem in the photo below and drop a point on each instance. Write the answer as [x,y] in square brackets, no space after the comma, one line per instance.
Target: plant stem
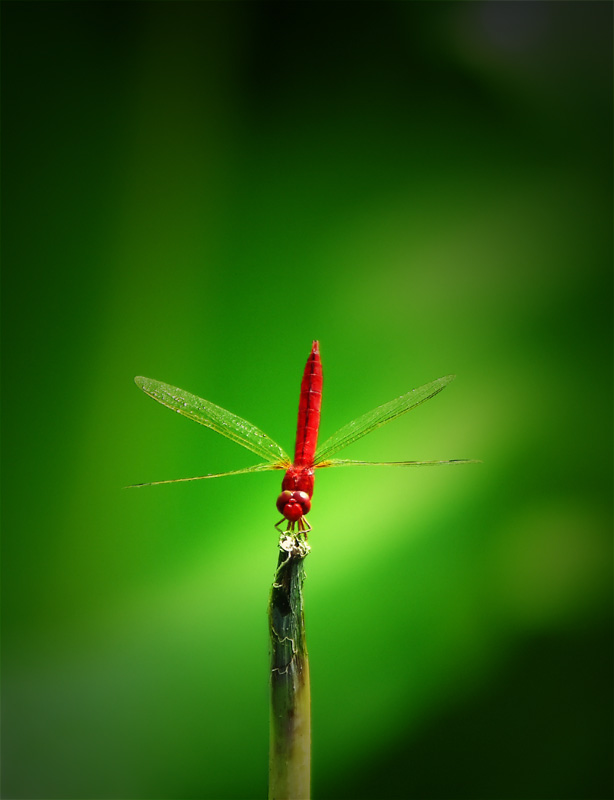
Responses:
[290,742]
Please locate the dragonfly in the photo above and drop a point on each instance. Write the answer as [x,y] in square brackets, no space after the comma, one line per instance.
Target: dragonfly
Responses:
[294,502]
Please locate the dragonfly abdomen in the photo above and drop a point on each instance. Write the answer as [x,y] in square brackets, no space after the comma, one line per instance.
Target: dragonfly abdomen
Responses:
[309,410]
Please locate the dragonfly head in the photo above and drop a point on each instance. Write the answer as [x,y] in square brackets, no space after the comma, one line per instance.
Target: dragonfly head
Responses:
[293,505]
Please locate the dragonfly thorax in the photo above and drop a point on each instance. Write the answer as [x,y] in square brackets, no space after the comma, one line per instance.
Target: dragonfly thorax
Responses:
[299,479]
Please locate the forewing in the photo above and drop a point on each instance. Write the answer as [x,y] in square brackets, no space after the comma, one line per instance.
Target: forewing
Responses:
[379,416]
[218,419]
[255,468]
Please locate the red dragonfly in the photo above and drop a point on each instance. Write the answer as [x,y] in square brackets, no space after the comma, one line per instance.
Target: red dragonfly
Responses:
[294,502]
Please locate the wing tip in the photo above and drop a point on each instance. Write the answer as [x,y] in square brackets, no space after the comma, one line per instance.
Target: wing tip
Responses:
[146,384]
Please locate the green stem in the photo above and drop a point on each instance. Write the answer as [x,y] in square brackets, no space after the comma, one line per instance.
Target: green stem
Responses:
[290,743]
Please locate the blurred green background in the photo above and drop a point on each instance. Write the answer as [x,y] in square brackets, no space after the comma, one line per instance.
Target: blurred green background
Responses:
[195,191]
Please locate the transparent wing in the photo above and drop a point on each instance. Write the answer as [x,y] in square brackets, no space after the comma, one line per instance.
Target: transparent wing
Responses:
[255,468]
[377,417]
[343,462]
[218,419]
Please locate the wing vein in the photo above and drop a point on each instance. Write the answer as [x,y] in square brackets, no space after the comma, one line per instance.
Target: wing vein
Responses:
[218,419]
[255,468]
[343,462]
[379,416]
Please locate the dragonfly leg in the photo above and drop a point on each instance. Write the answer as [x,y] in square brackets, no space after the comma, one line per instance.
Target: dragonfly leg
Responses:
[303,525]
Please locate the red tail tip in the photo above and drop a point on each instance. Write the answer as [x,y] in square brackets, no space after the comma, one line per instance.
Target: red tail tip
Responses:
[315,348]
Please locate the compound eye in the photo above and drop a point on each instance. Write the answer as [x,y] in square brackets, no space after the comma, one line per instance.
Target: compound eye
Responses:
[303,499]
[283,500]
